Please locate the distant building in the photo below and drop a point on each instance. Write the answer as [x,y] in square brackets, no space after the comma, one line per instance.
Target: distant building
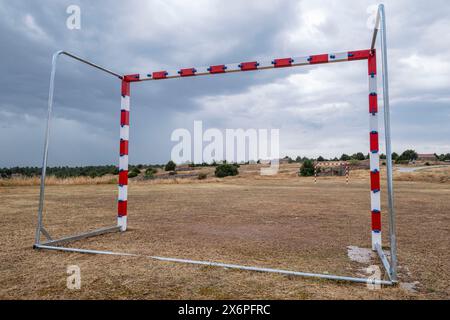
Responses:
[426,157]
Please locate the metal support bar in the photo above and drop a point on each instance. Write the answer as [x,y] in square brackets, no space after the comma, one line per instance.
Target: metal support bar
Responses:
[83,235]
[375,30]
[47,132]
[62,52]
[387,129]
[384,260]
[76,250]
[226,265]
[46,234]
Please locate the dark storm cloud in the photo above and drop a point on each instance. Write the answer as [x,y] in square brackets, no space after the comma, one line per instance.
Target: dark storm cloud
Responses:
[310,105]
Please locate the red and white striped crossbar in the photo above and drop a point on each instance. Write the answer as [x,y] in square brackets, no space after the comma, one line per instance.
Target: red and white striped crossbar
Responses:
[330,164]
[369,55]
[251,65]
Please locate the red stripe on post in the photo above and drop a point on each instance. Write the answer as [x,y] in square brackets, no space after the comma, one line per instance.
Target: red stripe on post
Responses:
[125,88]
[123,147]
[376,220]
[131,77]
[374,141]
[217,69]
[122,208]
[318,58]
[373,103]
[159,75]
[375,180]
[187,72]
[123,177]
[245,66]
[284,62]
[358,55]
[124,118]
[372,63]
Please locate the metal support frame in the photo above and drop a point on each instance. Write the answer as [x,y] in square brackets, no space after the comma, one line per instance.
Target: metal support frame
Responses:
[391,267]
[224,265]
[39,228]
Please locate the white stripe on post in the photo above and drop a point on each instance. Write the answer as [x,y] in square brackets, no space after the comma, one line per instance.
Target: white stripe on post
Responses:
[124,132]
[375,202]
[123,193]
[123,163]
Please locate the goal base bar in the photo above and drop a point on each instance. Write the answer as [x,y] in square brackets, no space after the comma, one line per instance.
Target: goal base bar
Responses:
[81,236]
[226,265]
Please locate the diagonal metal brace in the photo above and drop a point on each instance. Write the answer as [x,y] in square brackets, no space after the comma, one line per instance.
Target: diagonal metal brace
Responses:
[83,235]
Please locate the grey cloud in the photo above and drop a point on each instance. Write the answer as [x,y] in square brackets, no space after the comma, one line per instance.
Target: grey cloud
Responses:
[138,36]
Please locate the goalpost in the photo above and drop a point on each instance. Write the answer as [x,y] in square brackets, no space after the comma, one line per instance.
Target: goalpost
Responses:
[390,265]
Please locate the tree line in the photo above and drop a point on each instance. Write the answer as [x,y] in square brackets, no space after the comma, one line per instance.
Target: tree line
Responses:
[69,172]
[134,170]
[404,157]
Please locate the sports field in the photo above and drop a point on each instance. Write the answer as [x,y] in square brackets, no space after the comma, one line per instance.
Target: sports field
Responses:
[282,222]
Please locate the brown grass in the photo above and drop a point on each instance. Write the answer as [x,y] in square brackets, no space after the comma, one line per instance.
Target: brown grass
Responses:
[281,222]
[53,181]
[435,175]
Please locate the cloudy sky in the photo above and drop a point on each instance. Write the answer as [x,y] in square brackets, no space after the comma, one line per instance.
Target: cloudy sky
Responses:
[320,110]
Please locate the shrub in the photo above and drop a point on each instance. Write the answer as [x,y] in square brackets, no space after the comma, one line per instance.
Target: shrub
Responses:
[170,166]
[134,172]
[225,170]
[149,173]
[307,169]
[202,176]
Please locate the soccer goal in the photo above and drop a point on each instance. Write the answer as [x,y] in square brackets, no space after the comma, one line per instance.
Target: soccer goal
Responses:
[367,55]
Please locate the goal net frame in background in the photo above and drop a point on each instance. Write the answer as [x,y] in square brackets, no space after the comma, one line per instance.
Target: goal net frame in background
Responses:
[370,55]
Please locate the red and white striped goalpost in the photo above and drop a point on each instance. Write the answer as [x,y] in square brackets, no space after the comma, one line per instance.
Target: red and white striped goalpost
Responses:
[369,55]
[126,80]
[122,198]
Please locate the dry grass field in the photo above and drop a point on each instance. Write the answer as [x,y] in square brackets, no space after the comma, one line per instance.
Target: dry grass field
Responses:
[281,222]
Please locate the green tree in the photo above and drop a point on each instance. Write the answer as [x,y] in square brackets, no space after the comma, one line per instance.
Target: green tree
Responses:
[307,169]
[345,157]
[394,156]
[358,156]
[320,158]
[170,166]
[225,170]
[408,155]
